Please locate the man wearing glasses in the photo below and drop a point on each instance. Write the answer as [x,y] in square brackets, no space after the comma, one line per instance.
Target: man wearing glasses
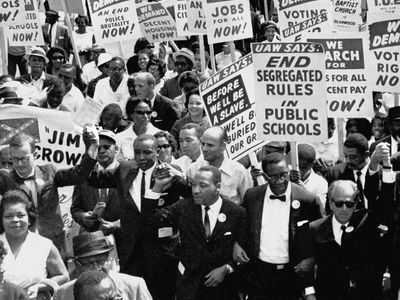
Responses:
[113,89]
[348,243]
[280,248]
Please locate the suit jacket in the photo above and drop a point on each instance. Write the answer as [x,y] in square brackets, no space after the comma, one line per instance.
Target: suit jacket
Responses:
[199,256]
[26,78]
[140,246]
[171,88]
[49,220]
[167,113]
[300,246]
[362,257]
[62,37]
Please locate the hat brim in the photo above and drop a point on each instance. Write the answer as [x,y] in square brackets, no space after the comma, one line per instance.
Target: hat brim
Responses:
[46,60]
[95,252]
[184,54]
[108,137]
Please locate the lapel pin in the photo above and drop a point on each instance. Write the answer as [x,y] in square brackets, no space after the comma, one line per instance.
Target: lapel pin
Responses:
[39,181]
[154,114]
[295,204]
[161,202]
[349,229]
[222,217]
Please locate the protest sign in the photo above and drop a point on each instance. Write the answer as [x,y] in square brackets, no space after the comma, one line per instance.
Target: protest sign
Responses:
[228,21]
[29,31]
[11,12]
[384,43]
[88,112]
[114,21]
[298,17]
[346,15]
[384,6]
[348,70]
[73,6]
[156,21]
[228,98]
[58,143]
[181,18]
[290,91]
[196,16]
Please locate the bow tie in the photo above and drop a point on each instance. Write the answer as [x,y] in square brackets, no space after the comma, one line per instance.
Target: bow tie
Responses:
[21,179]
[282,197]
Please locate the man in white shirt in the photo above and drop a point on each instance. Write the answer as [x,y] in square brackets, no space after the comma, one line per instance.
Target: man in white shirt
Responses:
[90,71]
[235,178]
[73,97]
[113,89]
[189,141]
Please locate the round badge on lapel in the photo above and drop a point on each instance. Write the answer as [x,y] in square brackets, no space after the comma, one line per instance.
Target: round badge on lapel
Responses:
[154,114]
[222,217]
[349,229]
[161,202]
[39,181]
[295,204]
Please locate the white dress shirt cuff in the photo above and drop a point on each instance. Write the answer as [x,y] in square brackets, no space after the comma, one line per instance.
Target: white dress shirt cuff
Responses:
[152,195]
[309,290]
[388,176]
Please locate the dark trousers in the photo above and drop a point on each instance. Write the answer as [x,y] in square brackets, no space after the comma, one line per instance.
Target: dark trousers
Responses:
[13,62]
[272,282]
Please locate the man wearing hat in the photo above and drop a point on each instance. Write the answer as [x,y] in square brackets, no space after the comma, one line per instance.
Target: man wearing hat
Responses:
[90,70]
[38,60]
[103,65]
[85,197]
[9,96]
[269,32]
[91,252]
[54,33]
[184,61]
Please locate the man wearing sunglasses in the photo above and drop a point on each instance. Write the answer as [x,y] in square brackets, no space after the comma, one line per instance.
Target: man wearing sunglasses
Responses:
[349,244]
[279,251]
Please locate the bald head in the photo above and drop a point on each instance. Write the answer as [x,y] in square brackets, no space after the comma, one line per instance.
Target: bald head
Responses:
[213,145]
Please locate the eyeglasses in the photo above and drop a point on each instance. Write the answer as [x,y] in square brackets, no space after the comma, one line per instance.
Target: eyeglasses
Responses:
[22,159]
[283,176]
[58,58]
[115,70]
[349,204]
[139,112]
[166,146]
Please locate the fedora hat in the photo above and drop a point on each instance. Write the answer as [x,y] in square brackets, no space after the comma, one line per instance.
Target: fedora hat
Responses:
[9,96]
[108,134]
[37,51]
[185,52]
[90,243]
[104,58]
[394,113]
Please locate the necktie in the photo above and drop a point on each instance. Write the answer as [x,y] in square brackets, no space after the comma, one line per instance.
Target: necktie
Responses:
[51,35]
[207,227]
[360,189]
[282,197]
[344,234]
[143,185]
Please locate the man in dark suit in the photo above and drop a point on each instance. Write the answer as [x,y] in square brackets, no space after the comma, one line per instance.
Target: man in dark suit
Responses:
[350,244]
[165,111]
[279,248]
[358,168]
[394,127]
[143,251]
[54,33]
[208,225]
[85,197]
[37,77]
[41,183]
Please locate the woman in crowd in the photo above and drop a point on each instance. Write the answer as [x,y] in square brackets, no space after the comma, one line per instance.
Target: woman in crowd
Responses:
[194,105]
[380,129]
[187,81]
[157,67]
[143,60]
[359,125]
[132,65]
[139,112]
[84,38]
[57,57]
[32,261]
[269,32]
[166,147]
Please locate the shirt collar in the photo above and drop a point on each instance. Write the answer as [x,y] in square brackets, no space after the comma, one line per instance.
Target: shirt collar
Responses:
[32,173]
[287,193]
[364,169]
[42,77]
[216,206]
[148,171]
[226,167]
[336,225]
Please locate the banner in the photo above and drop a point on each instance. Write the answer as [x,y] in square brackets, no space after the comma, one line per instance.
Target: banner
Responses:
[228,98]
[290,91]
[11,12]
[114,21]
[57,143]
[156,21]
[384,6]
[228,21]
[347,15]
[29,31]
[348,69]
[298,17]
[384,43]
[196,17]
[181,18]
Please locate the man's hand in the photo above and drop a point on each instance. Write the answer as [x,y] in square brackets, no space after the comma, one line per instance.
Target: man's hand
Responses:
[215,277]
[239,255]
[89,220]
[295,176]
[106,226]
[305,266]
[381,154]
[163,177]
[90,135]
[310,297]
